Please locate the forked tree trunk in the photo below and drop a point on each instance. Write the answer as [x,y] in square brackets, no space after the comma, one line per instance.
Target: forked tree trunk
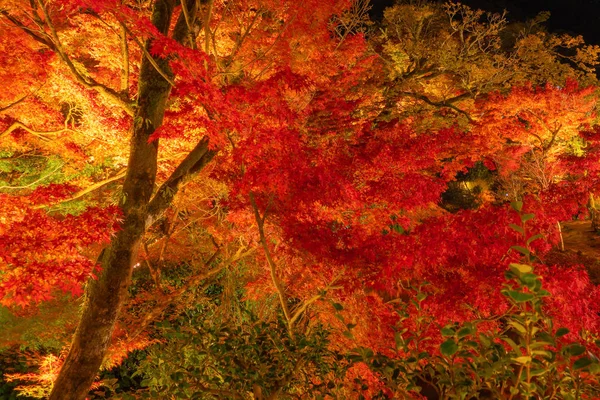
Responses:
[105,296]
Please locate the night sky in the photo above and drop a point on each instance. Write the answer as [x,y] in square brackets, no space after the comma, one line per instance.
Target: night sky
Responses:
[581,17]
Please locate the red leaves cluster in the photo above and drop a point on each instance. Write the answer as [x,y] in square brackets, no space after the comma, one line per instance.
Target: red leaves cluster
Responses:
[336,197]
[40,254]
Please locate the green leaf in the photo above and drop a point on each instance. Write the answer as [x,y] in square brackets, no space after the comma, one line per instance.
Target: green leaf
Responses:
[534,237]
[530,280]
[446,331]
[398,229]
[399,340]
[521,250]
[338,306]
[355,358]
[465,331]
[594,368]
[517,205]
[520,328]
[485,341]
[544,353]
[537,372]
[575,350]
[582,363]
[519,297]
[517,228]
[561,332]
[511,342]
[449,348]
[527,217]
[521,268]
[522,360]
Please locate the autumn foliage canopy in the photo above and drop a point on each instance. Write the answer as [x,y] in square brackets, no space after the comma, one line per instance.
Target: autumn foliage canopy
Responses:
[219,167]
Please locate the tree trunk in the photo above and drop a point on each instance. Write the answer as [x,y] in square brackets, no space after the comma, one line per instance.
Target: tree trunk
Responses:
[594,213]
[105,296]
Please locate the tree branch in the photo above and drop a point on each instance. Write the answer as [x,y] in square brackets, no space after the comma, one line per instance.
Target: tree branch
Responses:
[41,134]
[188,23]
[302,308]
[93,187]
[14,103]
[125,57]
[191,164]
[41,179]
[207,32]
[149,57]
[280,291]
[86,81]
[441,104]
[30,32]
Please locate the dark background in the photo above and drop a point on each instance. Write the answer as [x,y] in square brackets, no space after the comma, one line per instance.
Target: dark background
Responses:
[576,17]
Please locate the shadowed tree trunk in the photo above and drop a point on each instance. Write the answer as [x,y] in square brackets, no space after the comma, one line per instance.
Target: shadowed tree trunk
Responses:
[105,296]
[594,213]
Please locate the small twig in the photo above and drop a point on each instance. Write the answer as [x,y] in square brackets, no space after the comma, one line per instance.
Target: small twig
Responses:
[34,182]
[91,188]
[299,311]
[149,57]
[125,57]
[154,273]
[14,103]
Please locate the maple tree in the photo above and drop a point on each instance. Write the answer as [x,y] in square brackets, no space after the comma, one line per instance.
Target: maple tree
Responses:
[275,144]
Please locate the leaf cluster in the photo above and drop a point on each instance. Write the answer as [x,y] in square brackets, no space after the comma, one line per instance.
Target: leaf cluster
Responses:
[523,355]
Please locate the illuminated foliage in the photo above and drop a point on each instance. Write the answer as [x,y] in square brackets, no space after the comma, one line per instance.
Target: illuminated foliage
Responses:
[289,156]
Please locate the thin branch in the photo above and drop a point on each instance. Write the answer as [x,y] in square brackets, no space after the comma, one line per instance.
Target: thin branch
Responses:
[42,178]
[30,32]
[238,43]
[207,32]
[302,308]
[441,104]
[553,139]
[125,57]
[154,273]
[165,301]
[14,103]
[186,15]
[84,80]
[268,50]
[272,266]
[149,57]
[91,188]
[41,134]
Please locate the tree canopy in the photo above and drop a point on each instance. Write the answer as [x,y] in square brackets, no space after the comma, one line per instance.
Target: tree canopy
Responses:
[265,199]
